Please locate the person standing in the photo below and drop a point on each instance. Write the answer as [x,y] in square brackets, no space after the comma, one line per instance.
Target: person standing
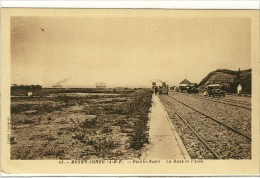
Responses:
[155,90]
[239,89]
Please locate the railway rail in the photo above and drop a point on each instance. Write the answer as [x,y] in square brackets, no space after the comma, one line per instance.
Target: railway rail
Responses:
[215,151]
[237,101]
[215,155]
[246,105]
[216,120]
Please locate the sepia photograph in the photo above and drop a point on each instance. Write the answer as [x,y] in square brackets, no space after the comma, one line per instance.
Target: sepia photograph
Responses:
[145,85]
[82,87]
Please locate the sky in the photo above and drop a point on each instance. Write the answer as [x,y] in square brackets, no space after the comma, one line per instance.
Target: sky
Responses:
[125,51]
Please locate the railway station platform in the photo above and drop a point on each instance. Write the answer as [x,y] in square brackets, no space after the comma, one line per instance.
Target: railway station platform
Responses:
[165,142]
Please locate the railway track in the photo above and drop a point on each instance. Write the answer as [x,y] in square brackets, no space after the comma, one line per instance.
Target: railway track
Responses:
[237,101]
[215,155]
[216,120]
[246,105]
[195,125]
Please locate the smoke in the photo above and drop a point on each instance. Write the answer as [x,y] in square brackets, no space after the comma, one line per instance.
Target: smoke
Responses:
[62,81]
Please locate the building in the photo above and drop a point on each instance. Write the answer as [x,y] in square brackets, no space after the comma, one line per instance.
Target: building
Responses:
[184,85]
[100,85]
[193,85]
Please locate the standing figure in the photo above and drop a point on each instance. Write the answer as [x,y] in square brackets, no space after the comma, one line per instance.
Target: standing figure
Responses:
[155,90]
[239,89]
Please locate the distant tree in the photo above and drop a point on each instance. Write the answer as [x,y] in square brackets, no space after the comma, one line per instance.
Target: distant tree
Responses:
[238,76]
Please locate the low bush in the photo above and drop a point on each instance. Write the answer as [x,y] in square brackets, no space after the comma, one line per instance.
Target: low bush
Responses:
[88,123]
[106,130]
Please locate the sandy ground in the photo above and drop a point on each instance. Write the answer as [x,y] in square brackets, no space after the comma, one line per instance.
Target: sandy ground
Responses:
[79,126]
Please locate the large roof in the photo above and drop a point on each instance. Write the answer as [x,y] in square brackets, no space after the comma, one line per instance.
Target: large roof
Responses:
[185,81]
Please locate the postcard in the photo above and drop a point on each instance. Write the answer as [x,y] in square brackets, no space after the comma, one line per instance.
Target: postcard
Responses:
[130,91]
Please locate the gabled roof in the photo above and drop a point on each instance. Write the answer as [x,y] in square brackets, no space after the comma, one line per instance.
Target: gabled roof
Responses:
[185,81]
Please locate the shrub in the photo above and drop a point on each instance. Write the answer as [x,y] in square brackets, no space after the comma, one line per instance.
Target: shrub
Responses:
[138,140]
[79,136]
[106,130]
[88,123]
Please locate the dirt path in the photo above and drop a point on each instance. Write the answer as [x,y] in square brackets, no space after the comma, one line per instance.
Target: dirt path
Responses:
[164,140]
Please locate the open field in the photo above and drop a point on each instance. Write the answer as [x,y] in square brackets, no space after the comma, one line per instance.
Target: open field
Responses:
[80,125]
